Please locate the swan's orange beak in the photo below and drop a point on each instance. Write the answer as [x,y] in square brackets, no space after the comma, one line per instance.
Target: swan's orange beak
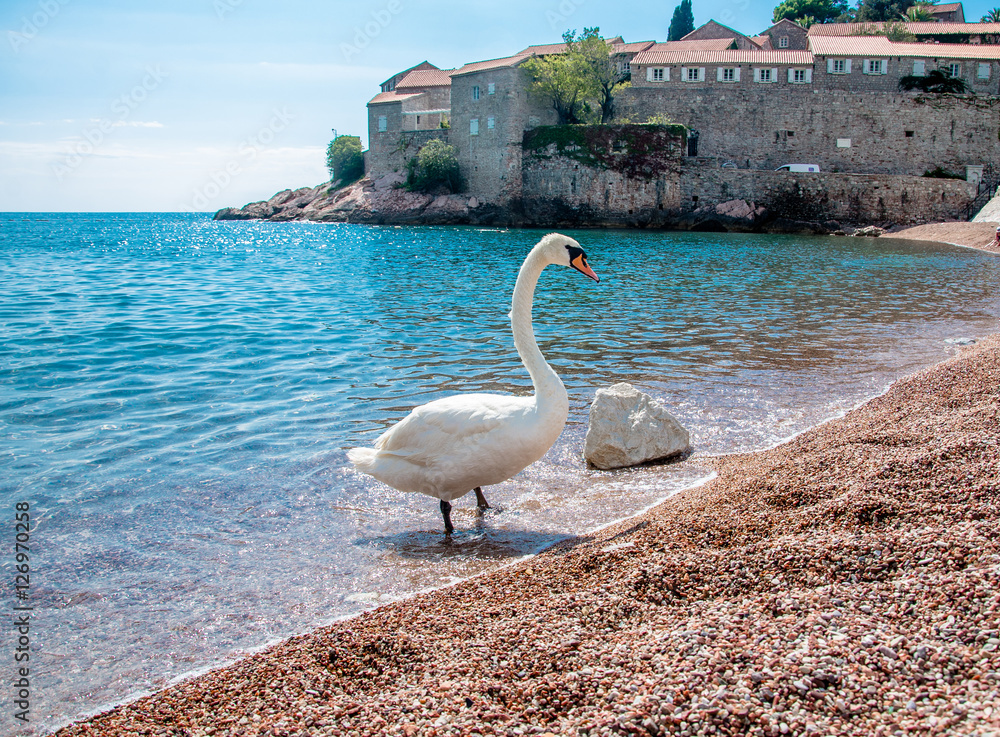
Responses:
[580,264]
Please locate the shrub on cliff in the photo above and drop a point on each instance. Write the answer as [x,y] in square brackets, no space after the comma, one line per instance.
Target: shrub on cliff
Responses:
[434,166]
[345,160]
[936,80]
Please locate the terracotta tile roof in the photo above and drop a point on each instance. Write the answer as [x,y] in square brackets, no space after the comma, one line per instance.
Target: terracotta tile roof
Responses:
[478,66]
[416,67]
[763,41]
[945,7]
[619,46]
[881,46]
[730,56]
[710,26]
[926,28]
[697,44]
[632,48]
[543,49]
[426,78]
[382,97]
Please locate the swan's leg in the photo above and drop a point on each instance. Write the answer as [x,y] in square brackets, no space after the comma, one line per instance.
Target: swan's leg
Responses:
[446,513]
[480,499]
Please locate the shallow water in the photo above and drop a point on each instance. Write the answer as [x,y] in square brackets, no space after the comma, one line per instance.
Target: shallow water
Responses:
[177,395]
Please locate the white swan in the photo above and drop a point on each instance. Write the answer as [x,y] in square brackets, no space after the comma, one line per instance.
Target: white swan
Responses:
[458,444]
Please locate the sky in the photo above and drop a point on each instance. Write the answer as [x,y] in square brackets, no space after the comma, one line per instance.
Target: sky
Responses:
[195,105]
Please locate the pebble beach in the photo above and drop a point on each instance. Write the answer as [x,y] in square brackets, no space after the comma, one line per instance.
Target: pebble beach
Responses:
[843,583]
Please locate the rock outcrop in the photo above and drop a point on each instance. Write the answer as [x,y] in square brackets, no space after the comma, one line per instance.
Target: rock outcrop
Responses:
[379,201]
[628,427]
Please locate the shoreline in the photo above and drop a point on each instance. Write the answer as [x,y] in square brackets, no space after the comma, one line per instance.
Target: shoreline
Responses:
[637,623]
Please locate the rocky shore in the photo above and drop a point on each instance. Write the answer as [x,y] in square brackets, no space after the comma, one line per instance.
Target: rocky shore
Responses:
[844,583]
[384,201]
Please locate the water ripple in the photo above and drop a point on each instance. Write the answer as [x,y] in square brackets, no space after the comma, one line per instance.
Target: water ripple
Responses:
[176,396]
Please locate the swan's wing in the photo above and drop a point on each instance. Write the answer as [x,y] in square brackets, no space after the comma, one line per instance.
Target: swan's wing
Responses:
[440,426]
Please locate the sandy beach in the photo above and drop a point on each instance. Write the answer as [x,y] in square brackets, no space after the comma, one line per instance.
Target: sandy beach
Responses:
[846,582]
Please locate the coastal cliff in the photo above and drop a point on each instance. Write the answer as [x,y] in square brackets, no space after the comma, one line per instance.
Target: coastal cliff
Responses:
[382,201]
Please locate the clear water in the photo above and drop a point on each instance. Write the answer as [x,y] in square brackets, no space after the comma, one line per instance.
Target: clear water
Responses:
[177,395]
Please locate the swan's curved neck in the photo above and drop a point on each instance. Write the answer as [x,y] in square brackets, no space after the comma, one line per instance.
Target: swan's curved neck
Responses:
[549,390]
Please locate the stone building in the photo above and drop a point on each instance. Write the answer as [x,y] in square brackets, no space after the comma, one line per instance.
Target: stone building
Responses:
[786,35]
[828,97]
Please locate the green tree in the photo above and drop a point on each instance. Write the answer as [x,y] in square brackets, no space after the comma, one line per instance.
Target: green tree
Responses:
[893,30]
[563,79]
[605,70]
[345,160]
[993,16]
[682,22]
[919,12]
[881,10]
[821,11]
[434,166]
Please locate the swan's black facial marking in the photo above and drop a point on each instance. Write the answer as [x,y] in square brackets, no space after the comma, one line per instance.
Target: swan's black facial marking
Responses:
[578,260]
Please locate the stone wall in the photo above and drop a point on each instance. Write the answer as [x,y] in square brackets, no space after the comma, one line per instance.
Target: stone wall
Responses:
[601,174]
[850,198]
[390,151]
[487,130]
[878,133]
[558,189]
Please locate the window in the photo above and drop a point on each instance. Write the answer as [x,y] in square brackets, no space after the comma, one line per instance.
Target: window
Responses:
[491,123]
[383,124]
[657,75]
[693,74]
[474,127]
[955,69]
[491,88]
[875,66]
[800,76]
[728,75]
[909,134]
[919,68]
[984,70]
[418,120]
[764,75]
[838,66]
[783,42]
[475,92]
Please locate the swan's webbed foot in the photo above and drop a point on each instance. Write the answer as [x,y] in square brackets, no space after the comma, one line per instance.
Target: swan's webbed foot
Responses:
[446,513]
[480,499]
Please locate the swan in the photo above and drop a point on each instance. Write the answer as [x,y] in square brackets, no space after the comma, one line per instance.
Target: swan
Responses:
[451,446]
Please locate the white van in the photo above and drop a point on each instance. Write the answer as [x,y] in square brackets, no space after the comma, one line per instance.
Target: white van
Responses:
[798,167]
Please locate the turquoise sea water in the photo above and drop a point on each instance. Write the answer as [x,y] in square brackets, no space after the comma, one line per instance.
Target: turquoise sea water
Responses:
[177,395]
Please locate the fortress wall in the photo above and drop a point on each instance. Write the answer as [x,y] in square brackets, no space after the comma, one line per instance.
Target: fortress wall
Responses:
[851,198]
[841,131]
[559,189]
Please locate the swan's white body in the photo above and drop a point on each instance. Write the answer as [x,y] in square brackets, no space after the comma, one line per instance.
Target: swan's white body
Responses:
[451,446]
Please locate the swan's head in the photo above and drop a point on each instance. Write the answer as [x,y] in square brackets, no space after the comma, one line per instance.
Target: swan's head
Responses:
[564,251]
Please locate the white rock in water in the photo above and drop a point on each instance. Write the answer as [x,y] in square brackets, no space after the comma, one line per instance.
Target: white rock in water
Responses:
[628,427]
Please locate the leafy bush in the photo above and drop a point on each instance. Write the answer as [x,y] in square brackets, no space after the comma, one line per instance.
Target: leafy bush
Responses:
[935,81]
[435,165]
[940,173]
[345,160]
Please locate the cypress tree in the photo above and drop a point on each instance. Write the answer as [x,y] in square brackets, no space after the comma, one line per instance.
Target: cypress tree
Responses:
[682,23]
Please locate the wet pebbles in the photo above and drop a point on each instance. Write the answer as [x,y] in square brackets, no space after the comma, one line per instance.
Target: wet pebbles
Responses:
[844,583]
